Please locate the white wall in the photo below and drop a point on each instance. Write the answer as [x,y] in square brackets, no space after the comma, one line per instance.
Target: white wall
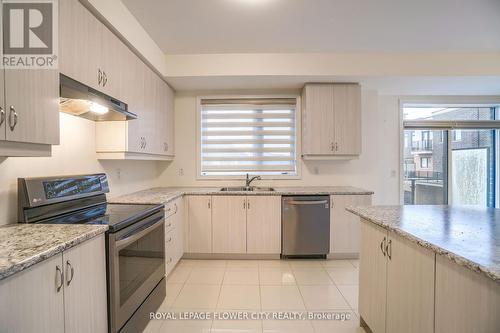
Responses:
[75,155]
[377,169]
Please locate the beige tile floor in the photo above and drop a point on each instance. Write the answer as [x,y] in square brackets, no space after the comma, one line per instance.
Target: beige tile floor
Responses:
[261,285]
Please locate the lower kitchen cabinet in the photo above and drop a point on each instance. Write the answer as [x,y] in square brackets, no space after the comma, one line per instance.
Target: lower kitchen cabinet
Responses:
[85,297]
[373,277]
[199,217]
[229,232]
[410,287]
[174,233]
[344,226]
[233,224]
[396,286]
[31,300]
[264,224]
[65,293]
[465,300]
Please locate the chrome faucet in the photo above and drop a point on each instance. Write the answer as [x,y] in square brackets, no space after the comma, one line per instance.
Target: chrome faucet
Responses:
[250,180]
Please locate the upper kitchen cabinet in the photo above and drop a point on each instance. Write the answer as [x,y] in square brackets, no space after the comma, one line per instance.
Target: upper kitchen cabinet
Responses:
[88,51]
[92,54]
[29,111]
[331,121]
[79,43]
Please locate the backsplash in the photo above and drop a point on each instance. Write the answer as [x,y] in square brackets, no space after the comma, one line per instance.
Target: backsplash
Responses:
[75,155]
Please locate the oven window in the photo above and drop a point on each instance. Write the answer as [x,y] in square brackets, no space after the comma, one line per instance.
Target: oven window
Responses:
[139,261]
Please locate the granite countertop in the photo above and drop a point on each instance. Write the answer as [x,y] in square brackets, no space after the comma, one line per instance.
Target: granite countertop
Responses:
[24,245]
[469,236]
[163,195]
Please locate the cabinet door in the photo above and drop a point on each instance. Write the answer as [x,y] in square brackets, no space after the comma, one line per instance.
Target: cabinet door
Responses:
[199,224]
[179,228]
[170,120]
[347,119]
[344,226]
[32,101]
[318,119]
[31,301]
[264,224]
[79,43]
[466,301]
[111,62]
[149,122]
[372,277]
[229,224]
[85,299]
[410,287]
[135,100]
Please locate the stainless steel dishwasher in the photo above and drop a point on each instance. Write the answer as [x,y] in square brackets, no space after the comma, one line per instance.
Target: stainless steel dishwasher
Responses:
[305,224]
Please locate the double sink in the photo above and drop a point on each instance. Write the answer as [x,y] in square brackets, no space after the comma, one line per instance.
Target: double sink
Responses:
[246,189]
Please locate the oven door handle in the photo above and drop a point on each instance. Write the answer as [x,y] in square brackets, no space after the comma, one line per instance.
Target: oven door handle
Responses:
[136,236]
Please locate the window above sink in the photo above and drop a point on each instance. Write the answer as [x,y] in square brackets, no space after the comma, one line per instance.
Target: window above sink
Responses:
[247,135]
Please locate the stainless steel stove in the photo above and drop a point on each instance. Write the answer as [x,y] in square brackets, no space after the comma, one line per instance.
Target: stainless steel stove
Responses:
[135,241]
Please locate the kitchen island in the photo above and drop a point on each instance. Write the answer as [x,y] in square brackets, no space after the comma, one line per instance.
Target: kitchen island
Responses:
[429,268]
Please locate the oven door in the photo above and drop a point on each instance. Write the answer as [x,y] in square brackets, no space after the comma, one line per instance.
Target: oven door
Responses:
[136,265]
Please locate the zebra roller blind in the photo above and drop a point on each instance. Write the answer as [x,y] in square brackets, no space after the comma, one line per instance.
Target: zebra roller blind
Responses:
[256,136]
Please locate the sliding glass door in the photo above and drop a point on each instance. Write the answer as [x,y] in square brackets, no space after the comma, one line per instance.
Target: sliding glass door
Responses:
[445,165]
[425,167]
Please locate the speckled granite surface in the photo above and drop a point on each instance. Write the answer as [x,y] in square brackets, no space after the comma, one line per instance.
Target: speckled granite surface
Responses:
[468,236]
[23,245]
[162,195]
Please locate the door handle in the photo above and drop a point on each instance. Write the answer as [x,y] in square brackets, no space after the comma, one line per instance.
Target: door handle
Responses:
[12,112]
[315,202]
[59,273]
[383,246]
[70,267]
[2,115]
[388,249]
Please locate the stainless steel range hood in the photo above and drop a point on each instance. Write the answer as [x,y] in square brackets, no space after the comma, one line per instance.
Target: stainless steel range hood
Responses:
[80,100]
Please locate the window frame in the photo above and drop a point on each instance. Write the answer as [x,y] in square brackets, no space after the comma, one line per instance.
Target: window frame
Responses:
[446,101]
[298,136]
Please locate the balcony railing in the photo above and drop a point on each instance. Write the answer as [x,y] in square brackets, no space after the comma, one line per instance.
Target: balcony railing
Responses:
[424,145]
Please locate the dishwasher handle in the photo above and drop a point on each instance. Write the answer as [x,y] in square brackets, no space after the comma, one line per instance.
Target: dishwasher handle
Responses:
[306,202]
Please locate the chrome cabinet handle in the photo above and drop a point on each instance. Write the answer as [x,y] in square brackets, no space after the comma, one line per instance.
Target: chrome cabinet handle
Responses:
[61,278]
[12,112]
[208,204]
[2,115]
[336,146]
[175,208]
[383,246]
[99,76]
[388,249]
[244,204]
[248,204]
[70,267]
[104,79]
[169,240]
[169,225]
[165,146]
[169,260]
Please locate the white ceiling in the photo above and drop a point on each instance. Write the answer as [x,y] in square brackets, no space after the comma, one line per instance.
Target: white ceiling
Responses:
[258,26]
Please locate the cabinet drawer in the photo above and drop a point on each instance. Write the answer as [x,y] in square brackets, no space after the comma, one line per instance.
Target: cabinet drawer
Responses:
[170,250]
[169,225]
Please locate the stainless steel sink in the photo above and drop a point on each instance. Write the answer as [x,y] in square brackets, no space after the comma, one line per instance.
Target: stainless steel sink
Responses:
[246,189]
